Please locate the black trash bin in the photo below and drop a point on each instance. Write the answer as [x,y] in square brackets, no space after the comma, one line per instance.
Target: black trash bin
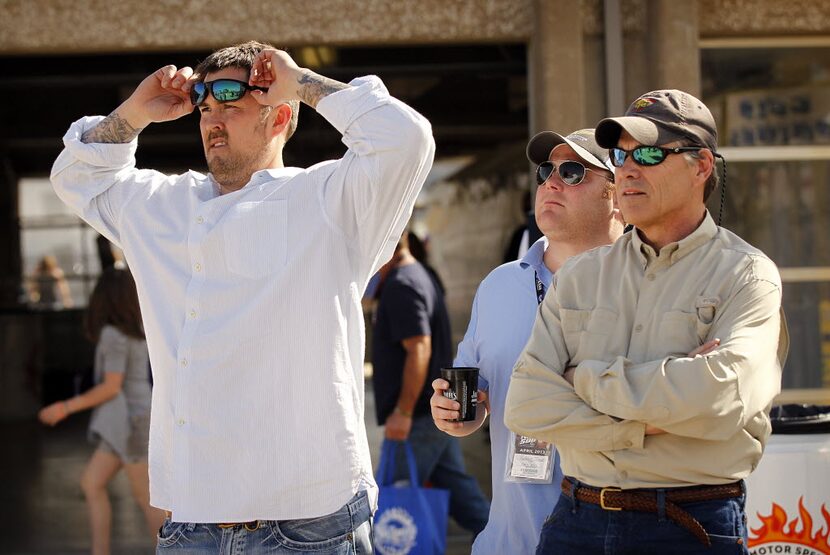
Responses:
[800,419]
[788,494]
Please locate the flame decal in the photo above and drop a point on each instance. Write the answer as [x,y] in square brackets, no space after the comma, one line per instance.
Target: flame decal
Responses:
[776,528]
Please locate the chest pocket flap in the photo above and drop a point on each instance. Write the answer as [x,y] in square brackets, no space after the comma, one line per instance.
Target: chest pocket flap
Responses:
[681,332]
[255,237]
[587,332]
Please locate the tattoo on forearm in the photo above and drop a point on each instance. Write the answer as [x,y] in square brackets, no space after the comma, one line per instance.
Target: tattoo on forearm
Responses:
[314,87]
[112,129]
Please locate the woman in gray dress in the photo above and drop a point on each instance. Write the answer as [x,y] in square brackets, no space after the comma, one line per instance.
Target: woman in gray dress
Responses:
[120,421]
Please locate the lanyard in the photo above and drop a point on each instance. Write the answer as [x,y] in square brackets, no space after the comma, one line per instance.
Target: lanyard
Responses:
[540,288]
[530,461]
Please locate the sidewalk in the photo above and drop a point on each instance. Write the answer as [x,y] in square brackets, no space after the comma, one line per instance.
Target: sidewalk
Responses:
[42,508]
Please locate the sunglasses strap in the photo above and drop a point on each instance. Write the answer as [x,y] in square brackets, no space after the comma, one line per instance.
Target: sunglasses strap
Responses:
[722,187]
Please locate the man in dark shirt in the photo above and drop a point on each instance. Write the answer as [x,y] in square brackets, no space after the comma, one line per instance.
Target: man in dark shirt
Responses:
[411,341]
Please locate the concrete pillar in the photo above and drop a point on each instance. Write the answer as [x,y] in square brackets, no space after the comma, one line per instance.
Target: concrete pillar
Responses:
[615,103]
[673,45]
[556,58]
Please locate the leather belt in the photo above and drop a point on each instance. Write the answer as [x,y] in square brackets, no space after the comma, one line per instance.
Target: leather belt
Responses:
[645,500]
[251,526]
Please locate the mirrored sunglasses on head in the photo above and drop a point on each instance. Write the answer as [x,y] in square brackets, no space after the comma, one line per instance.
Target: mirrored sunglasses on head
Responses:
[223,90]
[571,173]
[646,155]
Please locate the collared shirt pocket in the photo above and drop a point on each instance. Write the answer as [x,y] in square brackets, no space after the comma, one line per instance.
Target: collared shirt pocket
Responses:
[682,332]
[587,332]
[678,332]
[255,237]
[573,324]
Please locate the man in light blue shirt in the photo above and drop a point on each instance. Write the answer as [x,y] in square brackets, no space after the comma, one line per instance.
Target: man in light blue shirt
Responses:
[575,212]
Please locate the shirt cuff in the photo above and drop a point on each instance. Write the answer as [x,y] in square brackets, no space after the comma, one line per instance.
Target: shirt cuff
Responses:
[341,108]
[108,155]
[629,434]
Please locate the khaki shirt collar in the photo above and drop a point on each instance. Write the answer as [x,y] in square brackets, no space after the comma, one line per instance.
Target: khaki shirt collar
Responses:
[673,252]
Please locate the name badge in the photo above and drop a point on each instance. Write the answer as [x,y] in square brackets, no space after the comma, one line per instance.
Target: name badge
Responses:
[528,460]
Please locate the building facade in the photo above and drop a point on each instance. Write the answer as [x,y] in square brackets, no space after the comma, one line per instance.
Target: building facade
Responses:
[488,74]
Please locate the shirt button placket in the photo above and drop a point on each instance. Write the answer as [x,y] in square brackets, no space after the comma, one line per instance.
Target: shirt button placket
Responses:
[196,236]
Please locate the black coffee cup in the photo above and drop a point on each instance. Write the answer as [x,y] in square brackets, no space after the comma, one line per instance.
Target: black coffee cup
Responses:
[464,389]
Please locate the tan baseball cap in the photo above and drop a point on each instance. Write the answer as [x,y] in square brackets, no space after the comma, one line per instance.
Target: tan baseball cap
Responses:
[661,117]
[582,141]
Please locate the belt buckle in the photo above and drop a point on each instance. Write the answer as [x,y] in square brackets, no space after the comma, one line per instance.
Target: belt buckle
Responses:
[252,526]
[602,499]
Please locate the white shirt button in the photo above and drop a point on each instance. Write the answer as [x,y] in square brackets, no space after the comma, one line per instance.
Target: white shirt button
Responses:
[184,362]
[638,328]
[180,422]
[192,313]
[650,277]
[197,267]
[200,220]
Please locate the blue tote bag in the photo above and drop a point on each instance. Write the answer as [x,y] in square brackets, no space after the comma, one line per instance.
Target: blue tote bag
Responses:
[410,520]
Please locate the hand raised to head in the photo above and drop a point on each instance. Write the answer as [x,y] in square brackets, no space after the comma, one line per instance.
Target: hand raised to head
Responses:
[164,95]
[286,81]
[276,71]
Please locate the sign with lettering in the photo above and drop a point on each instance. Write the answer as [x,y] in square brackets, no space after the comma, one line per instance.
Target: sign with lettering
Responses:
[785,116]
[788,497]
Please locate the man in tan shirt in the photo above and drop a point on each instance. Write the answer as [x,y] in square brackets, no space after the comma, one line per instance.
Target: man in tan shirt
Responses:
[654,361]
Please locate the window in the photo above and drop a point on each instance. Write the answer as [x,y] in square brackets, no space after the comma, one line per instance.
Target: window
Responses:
[773,109]
[54,243]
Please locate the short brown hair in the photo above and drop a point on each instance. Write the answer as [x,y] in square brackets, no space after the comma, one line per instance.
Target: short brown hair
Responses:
[242,56]
[712,180]
[114,302]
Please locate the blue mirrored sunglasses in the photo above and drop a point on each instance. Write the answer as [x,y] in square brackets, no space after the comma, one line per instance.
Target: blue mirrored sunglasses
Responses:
[223,90]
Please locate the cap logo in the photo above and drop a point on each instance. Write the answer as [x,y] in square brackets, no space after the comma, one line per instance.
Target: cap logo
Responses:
[642,103]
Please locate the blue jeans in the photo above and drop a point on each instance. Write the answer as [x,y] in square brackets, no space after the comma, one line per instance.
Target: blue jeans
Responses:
[346,531]
[441,463]
[581,528]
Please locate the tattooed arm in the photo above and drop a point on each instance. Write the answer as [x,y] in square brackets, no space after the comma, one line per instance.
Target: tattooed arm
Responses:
[276,71]
[161,96]
[314,87]
[112,129]
[98,181]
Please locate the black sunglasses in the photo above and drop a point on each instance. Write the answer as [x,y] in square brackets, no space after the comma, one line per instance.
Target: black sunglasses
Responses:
[223,90]
[570,172]
[646,155]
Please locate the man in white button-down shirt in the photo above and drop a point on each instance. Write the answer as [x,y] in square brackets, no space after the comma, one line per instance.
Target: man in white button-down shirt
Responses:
[250,281]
